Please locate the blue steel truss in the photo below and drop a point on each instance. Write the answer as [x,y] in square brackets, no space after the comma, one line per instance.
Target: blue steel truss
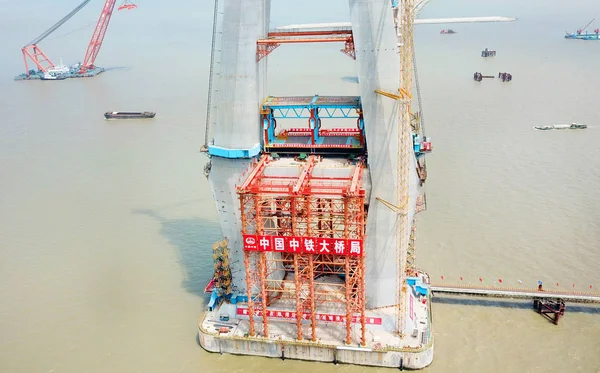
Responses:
[324,112]
[334,106]
[312,108]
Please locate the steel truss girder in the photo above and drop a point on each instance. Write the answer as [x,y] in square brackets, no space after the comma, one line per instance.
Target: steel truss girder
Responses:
[340,112]
[275,39]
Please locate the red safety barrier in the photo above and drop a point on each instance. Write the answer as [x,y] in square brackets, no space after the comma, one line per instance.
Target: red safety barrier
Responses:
[519,281]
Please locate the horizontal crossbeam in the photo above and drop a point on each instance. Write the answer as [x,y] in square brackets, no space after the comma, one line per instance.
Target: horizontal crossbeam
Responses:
[304,112]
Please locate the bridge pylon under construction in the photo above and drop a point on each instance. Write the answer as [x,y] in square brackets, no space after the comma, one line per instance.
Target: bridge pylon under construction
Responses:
[318,221]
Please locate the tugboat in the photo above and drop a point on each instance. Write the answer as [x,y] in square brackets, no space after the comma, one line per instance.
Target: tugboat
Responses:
[129,114]
[572,126]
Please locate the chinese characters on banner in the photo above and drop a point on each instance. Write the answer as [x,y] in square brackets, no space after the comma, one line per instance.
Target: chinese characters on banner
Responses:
[243,311]
[303,245]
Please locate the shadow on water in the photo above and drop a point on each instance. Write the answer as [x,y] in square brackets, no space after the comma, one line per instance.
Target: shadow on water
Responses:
[520,304]
[116,68]
[193,239]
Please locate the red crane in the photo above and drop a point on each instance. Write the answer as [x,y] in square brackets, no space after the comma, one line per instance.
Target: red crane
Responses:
[33,52]
[97,37]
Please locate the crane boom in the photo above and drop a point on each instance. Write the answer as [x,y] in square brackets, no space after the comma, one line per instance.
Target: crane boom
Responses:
[47,33]
[98,36]
[404,22]
[33,52]
[589,23]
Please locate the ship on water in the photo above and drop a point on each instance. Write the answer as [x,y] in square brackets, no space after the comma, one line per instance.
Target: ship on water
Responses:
[572,126]
[582,34]
[129,114]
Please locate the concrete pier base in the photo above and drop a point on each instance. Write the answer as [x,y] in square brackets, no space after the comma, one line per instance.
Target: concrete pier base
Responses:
[389,357]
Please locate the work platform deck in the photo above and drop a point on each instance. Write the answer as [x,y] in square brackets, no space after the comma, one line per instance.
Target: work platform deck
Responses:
[298,140]
[225,328]
[313,138]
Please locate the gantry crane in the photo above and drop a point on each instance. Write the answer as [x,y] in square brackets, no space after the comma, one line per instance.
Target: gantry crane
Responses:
[41,60]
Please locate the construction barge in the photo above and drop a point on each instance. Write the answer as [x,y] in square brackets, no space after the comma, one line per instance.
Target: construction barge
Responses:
[582,34]
[50,75]
[45,69]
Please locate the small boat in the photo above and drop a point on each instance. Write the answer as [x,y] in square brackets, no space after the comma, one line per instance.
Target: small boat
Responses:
[129,114]
[448,31]
[488,53]
[572,126]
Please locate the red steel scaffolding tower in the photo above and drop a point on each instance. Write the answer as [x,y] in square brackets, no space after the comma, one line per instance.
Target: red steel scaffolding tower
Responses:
[310,226]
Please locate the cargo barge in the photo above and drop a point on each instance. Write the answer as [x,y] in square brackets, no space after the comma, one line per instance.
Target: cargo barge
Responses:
[129,114]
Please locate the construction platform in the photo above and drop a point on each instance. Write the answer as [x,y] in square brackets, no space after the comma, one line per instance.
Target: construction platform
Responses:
[313,295]
[313,138]
[297,140]
[37,75]
[225,328]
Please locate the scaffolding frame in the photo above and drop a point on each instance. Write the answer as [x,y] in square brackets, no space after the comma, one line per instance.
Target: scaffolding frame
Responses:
[304,206]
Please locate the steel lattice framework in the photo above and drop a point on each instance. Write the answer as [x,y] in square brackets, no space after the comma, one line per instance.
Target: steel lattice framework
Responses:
[304,206]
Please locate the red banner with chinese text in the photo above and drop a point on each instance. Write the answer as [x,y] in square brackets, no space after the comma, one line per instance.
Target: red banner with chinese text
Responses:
[303,245]
[243,311]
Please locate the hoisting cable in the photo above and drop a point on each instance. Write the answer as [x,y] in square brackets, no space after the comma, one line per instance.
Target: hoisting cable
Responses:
[58,24]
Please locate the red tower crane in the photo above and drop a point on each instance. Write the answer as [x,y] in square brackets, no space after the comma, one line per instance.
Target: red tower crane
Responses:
[33,52]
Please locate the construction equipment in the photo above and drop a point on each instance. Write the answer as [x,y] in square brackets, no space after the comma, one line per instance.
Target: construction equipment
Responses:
[222,271]
[404,14]
[126,5]
[45,67]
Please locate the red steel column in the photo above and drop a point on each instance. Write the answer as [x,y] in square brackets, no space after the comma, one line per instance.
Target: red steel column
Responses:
[249,279]
[249,285]
[263,292]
